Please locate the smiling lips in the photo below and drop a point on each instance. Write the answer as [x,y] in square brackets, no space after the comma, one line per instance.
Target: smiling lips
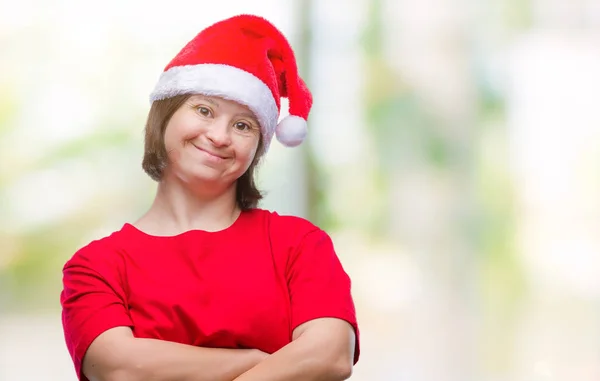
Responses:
[211,156]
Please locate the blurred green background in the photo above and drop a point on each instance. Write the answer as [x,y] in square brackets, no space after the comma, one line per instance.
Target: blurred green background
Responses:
[453,155]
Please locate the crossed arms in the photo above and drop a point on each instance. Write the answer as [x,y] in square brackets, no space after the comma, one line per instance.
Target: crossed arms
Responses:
[321,350]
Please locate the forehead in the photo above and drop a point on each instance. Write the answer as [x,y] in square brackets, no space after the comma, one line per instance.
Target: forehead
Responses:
[221,102]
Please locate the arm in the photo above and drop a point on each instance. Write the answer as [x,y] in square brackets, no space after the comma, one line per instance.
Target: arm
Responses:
[325,343]
[321,350]
[116,355]
[98,331]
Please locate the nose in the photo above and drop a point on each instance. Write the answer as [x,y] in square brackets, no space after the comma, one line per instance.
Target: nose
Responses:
[219,133]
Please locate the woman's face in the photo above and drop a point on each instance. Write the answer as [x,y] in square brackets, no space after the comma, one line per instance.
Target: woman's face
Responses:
[211,140]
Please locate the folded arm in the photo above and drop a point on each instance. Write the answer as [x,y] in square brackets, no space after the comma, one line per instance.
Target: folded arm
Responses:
[96,322]
[116,355]
[321,350]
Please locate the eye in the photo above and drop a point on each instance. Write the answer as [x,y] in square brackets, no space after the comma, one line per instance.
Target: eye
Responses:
[242,126]
[204,111]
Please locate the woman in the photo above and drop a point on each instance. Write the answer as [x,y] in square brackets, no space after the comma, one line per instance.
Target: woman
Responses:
[206,286]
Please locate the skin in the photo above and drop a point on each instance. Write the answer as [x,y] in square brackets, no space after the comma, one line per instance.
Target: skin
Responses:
[211,142]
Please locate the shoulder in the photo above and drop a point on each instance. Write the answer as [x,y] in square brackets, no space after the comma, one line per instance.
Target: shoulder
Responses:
[99,252]
[289,225]
[291,234]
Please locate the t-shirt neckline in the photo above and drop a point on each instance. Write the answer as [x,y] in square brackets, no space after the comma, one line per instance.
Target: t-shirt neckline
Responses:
[129,228]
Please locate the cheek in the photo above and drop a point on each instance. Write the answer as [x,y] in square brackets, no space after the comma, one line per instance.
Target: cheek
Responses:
[170,145]
[249,151]
[174,146]
[180,130]
[174,155]
[177,137]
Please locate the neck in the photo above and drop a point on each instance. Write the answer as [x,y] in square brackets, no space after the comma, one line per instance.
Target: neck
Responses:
[177,208]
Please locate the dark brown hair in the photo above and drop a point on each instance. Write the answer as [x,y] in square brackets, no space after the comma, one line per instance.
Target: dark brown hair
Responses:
[155,154]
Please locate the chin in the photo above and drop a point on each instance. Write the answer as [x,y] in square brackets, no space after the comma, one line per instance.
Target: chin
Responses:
[203,177]
[210,176]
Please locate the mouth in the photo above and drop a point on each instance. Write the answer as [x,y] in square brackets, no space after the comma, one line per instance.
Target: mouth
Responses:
[210,154]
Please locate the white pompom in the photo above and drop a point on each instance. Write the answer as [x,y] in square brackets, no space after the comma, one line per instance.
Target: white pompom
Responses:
[291,131]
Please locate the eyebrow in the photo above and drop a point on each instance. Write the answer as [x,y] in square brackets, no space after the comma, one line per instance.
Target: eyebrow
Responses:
[214,103]
[248,115]
[207,99]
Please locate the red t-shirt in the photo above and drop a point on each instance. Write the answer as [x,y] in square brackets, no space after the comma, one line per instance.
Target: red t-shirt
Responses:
[248,286]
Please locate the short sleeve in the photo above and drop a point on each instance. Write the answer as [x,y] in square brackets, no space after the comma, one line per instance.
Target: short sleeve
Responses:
[93,299]
[318,285]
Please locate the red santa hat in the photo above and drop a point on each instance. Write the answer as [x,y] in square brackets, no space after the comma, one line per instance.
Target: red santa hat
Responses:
[248,60]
